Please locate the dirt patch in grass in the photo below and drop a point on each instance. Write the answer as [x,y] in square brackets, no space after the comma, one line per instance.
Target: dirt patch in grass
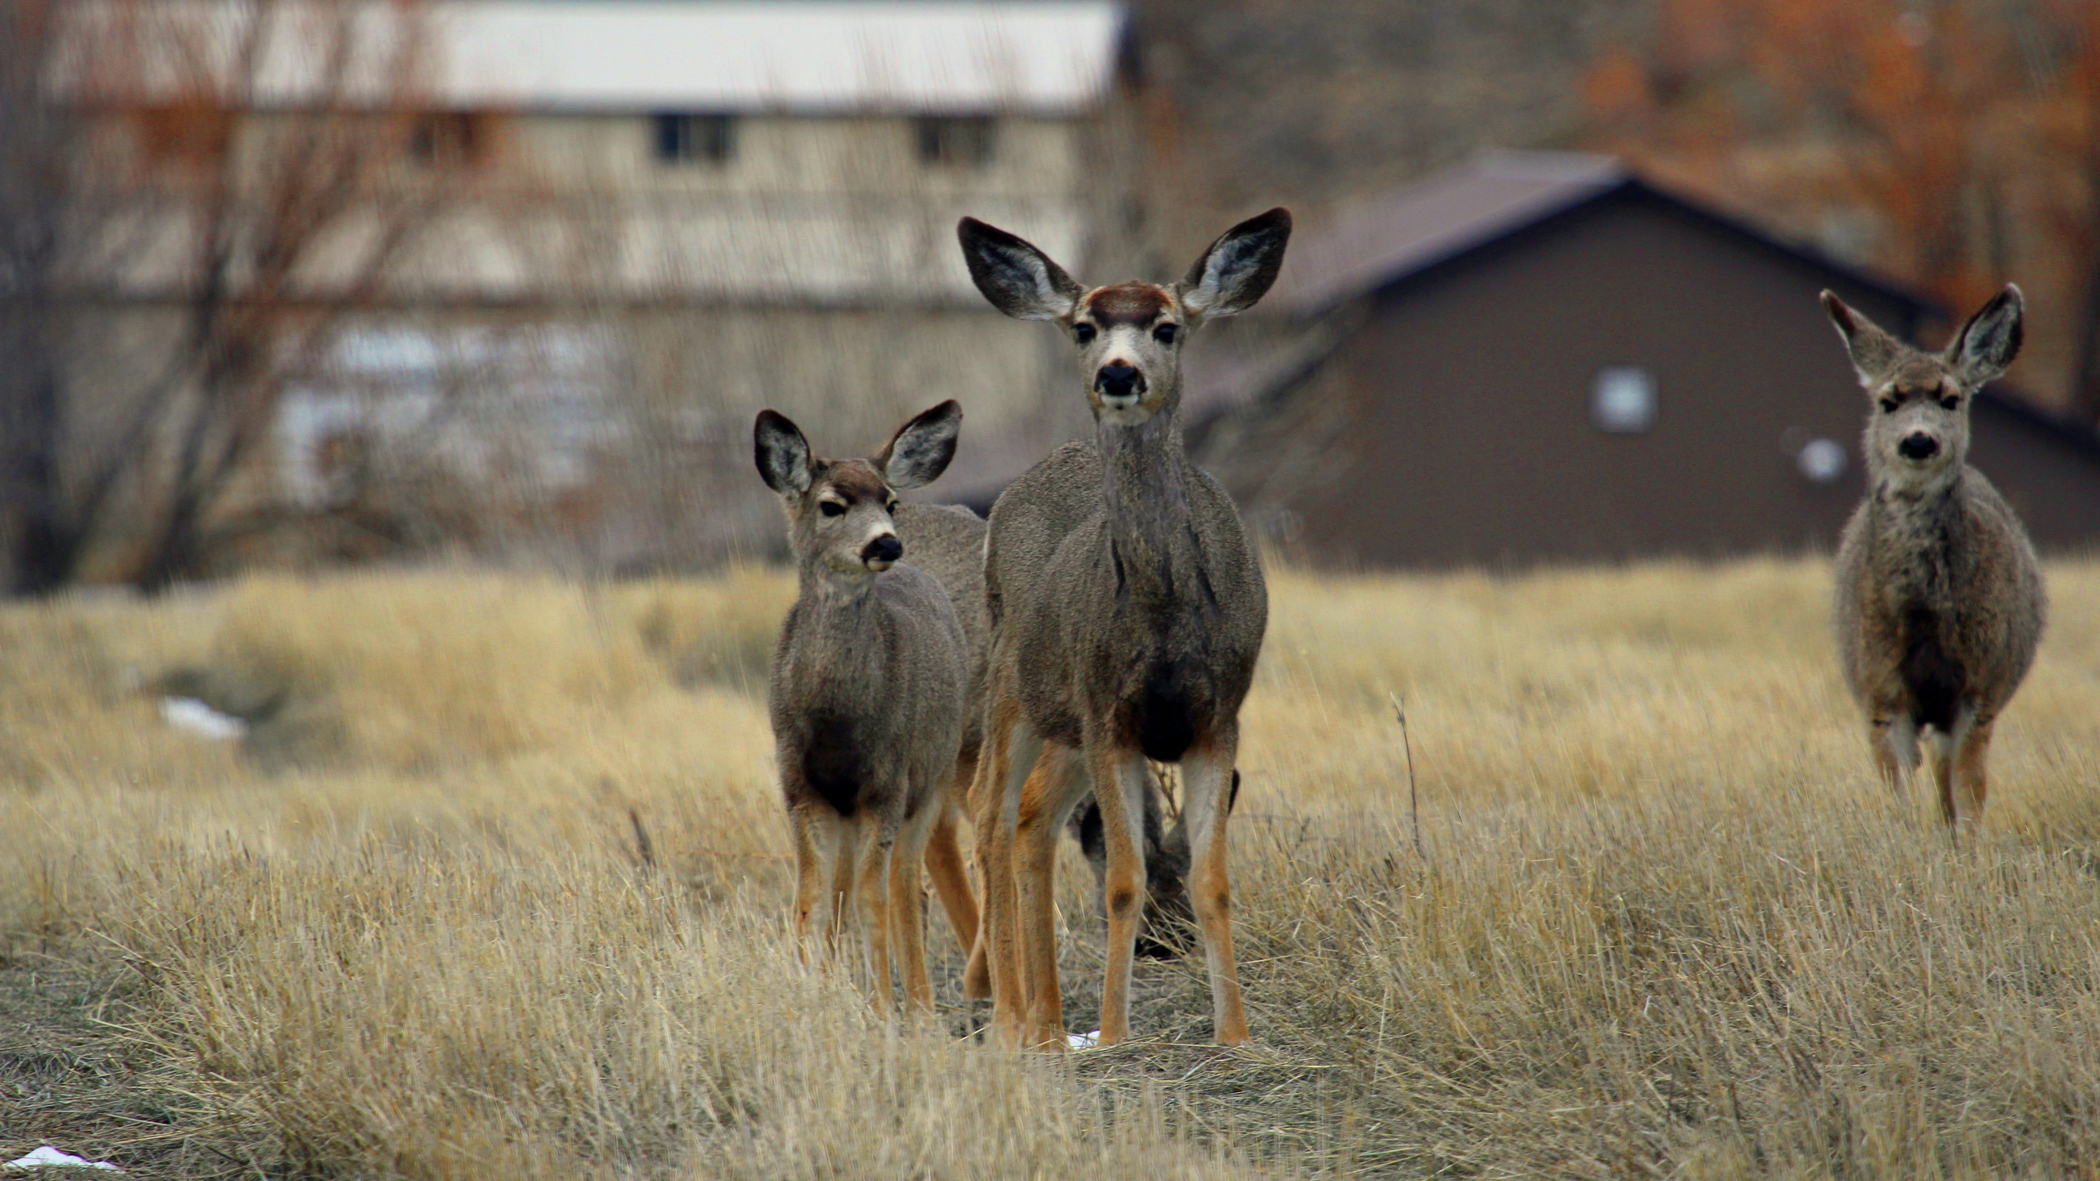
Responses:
[73,1075]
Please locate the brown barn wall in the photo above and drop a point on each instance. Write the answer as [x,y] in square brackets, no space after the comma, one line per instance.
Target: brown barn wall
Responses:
[1474,443]
[2051,481]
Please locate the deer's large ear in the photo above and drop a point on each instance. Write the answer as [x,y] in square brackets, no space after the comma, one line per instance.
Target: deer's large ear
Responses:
[1990,340]
[1238,269]
[781,452]
[922,448]
[1017,278]
[1873,351]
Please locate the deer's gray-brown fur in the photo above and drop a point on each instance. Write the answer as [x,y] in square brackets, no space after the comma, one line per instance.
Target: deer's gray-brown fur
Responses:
[868,693]
[947,541]
[1127,610]
[1939,597]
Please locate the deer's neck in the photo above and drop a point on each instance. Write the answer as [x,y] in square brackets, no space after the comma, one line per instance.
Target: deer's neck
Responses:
[1915,508]
[823,586]
[1145,486]
[1921,533]
[1911,496]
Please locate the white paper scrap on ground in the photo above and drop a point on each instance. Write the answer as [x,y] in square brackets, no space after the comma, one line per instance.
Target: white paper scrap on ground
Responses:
[188,713]
[1083,1041]
[48,1157]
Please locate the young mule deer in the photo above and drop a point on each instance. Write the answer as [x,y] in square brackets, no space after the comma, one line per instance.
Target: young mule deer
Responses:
[1127,611]
[1939,597]
[868,695]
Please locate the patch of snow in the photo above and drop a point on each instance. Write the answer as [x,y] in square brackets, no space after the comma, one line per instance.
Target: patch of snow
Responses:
[48,1157]
[1083,1041]
[188,713]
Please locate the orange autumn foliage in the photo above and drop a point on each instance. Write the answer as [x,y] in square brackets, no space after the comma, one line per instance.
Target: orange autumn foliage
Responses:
[1952,145]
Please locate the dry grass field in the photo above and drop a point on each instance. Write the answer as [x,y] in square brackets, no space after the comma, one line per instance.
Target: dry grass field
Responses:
[1667,922]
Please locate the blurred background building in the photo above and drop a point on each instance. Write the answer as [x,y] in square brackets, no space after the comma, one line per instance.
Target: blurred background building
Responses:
[307,281]
[333,281]
[1540,356]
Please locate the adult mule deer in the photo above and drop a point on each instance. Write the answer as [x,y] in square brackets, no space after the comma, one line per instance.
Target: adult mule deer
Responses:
[1127,611]
[1939,598]
[947,541]
[868,694]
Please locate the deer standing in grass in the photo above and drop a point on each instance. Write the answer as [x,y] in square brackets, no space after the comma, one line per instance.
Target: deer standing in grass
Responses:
[947,541]
[1127,611]
[1939,597]
[868,696]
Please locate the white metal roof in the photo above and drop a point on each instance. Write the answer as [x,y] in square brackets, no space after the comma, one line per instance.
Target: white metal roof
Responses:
[804,56]
[942,55]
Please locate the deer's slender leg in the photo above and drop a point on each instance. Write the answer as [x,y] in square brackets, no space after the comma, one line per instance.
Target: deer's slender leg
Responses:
[845,870]
[983,802]
[875,915]
[1206,775]
[1895,740]
[951,881]
[1884,755]
[907,908]
[1942,753]
[1972,745]
[1011,747]
[1119,778]
[1051,791]
[809,875]
[977,975]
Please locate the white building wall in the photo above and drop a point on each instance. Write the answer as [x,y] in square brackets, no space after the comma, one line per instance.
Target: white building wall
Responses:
[814,271]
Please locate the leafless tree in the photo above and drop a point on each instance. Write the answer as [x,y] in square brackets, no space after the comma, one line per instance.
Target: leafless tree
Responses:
[33,529]
[252,170]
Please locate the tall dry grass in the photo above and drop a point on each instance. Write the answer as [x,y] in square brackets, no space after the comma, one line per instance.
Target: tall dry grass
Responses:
[1667,921]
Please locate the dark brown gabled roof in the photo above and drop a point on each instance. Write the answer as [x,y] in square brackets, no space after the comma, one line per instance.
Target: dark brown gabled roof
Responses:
[1447,215]
[1500,193]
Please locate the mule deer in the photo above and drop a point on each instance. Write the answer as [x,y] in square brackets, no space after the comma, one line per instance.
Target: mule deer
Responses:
[1127,612]
[947,541]
[1939,598]
[868,691]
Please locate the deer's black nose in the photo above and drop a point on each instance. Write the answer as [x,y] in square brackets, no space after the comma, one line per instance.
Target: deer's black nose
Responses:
[1918,446]
[1119,381]
[882,549]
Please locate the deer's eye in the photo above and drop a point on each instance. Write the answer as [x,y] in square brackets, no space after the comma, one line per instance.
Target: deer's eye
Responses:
[1890,405]
[1083,333]
[890,508]
[1950,403]
[1166,333]
[831,508]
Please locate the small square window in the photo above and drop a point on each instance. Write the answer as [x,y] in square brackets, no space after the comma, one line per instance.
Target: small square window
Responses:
[684,138]
[956,140]
[1822,461]
[451,139]
[1622,401]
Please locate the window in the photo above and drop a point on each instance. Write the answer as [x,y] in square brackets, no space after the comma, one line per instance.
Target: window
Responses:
[521,409]
[683,138]
[452,139]
[1821,461]
[955,140]
[1622,402]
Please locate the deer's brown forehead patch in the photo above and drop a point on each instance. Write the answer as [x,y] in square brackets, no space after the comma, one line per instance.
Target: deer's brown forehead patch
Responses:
[1922,381]
[854,480]
[1128,303]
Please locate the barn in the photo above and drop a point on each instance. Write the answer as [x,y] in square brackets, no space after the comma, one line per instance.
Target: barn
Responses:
[1542,357]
